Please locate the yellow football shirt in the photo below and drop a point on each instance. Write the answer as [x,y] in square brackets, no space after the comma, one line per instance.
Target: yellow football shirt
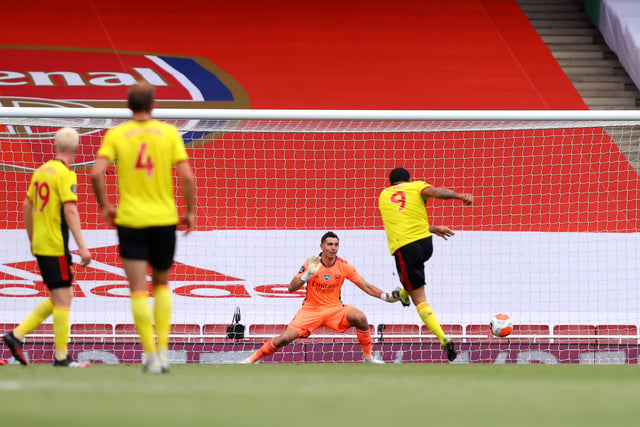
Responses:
[145,154]
[52,185]
[404,214]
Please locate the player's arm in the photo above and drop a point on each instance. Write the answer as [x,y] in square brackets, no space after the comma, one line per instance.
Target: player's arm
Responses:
[441,230]
[444,194]
[72,217]
[187,183]
[375,292]
[97,182]
[308,270]
[27,213]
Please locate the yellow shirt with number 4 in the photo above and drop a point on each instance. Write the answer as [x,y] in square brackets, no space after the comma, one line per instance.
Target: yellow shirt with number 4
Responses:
[145,153]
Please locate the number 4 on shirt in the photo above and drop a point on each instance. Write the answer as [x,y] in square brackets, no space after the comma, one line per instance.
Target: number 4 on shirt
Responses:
[144,161]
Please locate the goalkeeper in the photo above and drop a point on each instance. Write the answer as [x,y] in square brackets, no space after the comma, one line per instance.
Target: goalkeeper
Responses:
[324,276]
[402,206]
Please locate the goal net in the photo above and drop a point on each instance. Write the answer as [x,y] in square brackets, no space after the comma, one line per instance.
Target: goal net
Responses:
[552,239]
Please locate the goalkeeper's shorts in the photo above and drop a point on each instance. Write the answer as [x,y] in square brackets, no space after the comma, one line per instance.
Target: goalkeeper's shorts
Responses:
[308,319]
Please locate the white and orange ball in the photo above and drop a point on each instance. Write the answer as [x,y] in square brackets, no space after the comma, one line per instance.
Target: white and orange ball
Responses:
[501,325]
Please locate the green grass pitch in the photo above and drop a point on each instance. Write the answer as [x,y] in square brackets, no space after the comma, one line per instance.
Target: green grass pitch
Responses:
[327,395]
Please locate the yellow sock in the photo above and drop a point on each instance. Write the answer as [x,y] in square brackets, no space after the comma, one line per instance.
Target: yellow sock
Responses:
[33,320]
[61,331]
[429,318]
[142,317]
[162,314]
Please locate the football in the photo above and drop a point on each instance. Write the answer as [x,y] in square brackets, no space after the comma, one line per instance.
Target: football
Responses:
[501,325]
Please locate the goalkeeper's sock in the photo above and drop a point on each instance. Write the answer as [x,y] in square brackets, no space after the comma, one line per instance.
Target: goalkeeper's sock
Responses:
[162,314]
[142,317]
[61,331]
[429,318]
[266,349]
[364,337]
[33,320]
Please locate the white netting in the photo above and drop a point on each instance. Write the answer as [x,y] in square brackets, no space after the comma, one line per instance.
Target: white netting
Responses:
[552,239]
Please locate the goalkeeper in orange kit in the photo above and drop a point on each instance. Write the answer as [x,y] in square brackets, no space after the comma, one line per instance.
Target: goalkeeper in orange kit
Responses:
[324,276]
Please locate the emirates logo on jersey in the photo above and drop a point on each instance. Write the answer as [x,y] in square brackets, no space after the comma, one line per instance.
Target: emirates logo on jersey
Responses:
[40,77]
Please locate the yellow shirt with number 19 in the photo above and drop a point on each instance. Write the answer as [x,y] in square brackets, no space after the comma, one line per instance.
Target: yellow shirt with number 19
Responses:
[404,214]
[145,153]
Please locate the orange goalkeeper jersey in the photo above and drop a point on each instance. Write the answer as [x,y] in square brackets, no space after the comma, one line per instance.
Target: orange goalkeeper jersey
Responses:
[324,288]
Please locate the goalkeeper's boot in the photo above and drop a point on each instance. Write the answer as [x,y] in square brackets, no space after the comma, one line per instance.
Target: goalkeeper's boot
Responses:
[405,300]
[245,361]
[69,363]
[373,360]
[152,365]
[163,358]
[15,345]
[449,347]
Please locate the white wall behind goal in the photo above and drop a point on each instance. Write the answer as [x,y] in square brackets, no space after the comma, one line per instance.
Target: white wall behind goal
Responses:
[546,278]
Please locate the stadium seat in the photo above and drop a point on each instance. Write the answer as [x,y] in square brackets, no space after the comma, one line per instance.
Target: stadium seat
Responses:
[185,332]
[452,330]
[44,332]
[480,333]
[408,332]
[5,328]
[524,333]
[99,332]
[628,334]
[215,332]
[573,333]
[261,332]
[126,332]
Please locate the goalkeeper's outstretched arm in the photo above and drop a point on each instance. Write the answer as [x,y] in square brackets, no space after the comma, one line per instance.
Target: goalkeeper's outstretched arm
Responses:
[376,292]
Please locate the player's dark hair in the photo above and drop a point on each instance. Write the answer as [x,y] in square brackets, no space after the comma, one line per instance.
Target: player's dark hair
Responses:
[140,97]
[399,175]
[328,234]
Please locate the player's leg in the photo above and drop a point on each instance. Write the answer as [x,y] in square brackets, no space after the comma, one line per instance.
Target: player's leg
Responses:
[14,339]
[302,324]
[61,297]
[134,253]
[274,344]
[163,243]
[410,261]
[357,319]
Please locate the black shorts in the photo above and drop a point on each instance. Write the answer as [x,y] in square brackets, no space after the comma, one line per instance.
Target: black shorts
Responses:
[410,261]
[57,271]
[154,244]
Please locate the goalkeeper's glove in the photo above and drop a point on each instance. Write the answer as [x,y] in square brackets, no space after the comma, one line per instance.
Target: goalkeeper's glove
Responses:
[397,295]
[313,264]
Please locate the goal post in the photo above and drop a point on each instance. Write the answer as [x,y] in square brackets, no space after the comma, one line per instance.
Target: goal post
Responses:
[552,238]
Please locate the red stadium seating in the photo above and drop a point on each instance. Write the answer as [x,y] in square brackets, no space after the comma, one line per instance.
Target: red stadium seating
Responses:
[126,332]
[561,333]
[451,330]
[185,332]
[215,332]
[623,330]
[100,332]
[408,332]
[480,333]
[530,334]
[261,332]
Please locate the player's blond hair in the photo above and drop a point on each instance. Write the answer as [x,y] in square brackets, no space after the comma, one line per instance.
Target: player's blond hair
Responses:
[67,140]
